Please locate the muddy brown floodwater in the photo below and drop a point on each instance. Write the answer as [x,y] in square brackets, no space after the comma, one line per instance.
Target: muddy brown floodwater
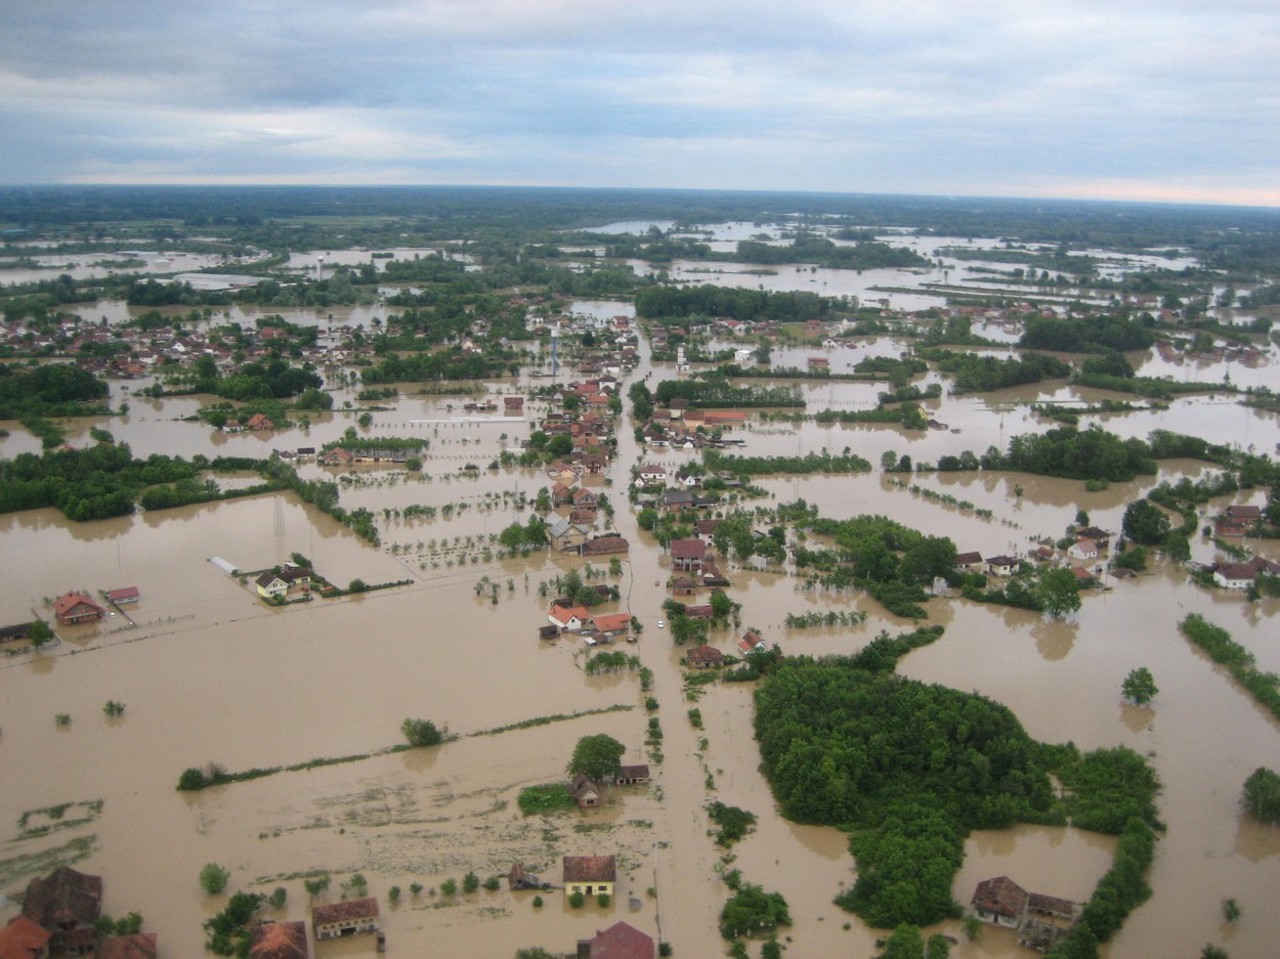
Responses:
[208,674]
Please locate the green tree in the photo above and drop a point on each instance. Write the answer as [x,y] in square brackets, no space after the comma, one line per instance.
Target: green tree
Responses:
[1261,796]
[905,942]
[421,732]
[598,757]
[1145,523]
[1230,910]
[316,886]
[213,878]
[1058,591]
[39,633]
[1139,686]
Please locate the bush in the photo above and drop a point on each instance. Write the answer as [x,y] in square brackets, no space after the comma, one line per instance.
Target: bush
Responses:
[421,732]
[603,900]
[192,779]
[577,900]
[213,878]
[470,882]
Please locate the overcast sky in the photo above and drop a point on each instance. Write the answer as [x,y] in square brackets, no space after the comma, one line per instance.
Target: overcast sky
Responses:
[1125,99]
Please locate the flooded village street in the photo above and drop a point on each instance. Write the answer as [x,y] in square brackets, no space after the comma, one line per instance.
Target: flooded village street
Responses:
[211,674]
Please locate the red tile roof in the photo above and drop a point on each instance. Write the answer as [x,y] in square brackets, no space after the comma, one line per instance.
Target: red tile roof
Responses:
[279,940]
[1001,895]
[23,939]
[590,869]
[328,912]
[140,945]
[621,941]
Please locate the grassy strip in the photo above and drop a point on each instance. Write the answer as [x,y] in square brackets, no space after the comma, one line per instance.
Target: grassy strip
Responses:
[1225,651]
[548,720]
[56,814]
[194,779]
[46,860]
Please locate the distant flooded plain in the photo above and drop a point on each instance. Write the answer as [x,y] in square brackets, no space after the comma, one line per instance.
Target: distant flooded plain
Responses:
[211,675]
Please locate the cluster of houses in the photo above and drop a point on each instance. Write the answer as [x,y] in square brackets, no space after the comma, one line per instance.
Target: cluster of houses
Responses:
[1039,920]
[1081,557]
[679,427]
[60,914]
[592,876]
[596,629]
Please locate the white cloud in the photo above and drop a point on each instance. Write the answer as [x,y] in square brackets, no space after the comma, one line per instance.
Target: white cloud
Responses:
[1022,96]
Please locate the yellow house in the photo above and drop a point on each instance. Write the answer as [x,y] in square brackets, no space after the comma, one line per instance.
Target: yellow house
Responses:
[590,875]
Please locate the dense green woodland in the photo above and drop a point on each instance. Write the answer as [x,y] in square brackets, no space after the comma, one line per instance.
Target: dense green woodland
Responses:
[909,769]
[51,389]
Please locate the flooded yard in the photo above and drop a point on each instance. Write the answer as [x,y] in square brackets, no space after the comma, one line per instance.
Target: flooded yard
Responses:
[209,674]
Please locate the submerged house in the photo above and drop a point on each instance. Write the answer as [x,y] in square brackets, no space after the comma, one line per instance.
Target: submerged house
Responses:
[279,940]
[619,941]
[73,608]
[1000,901]
[349,918]
[590,875]
[67,903]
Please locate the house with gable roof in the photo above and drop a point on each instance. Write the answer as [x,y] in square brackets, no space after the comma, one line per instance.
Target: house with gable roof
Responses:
[619,941]
[73,608]
[279,940]
[67,903]
[24,939]
[348,918]
[590,875]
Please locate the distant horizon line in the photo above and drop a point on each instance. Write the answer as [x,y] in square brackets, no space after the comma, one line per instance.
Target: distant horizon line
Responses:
[758,191]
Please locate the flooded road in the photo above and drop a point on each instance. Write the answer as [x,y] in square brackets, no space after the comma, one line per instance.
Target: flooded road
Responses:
[211,675]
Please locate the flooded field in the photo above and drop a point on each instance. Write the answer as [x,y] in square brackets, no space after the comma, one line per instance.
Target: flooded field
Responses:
[209,674]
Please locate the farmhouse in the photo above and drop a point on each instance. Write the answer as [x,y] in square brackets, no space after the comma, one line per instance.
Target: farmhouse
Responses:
[349,918]
[124,595]
[590,875]
[278,940]
[687,554]
[1242,575]
[619,941]
[24,939]
[72,608]
[605,546]
[1000,901]
[636,775]
[67,903]
[569,619]
[138,945]
[704,657]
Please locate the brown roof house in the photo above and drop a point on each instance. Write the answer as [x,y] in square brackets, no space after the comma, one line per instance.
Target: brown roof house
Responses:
[72,608]
[65,902]
[1000,901]
[279,940]
[24,939]
[590,875]
[704,657]
[635,775]
[348,918]
[585,793]
[619,941]
[139,945]
[687,554]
